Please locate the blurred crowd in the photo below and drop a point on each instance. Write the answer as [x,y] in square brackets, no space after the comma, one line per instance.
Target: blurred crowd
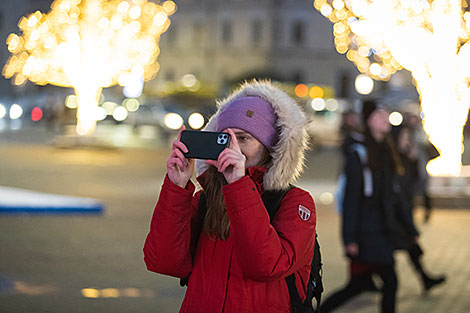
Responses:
[383,173]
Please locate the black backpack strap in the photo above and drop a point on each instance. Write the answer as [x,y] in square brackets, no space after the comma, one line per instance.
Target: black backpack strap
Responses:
[202,208]
[295,301]
[314,286]
[272,200]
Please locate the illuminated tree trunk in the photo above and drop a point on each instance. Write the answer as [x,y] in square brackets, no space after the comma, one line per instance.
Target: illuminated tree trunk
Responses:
[444,124]
[88,99]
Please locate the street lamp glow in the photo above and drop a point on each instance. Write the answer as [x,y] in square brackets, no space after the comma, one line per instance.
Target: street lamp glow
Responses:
[16,111]
[196,120]
[364,84]
[88,45]
[173,120]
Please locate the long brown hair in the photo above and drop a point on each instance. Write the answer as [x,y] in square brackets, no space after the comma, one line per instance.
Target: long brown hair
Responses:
[216,222]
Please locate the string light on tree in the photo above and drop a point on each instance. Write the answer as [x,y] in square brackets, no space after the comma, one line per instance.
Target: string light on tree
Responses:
[428,38]
[88,45]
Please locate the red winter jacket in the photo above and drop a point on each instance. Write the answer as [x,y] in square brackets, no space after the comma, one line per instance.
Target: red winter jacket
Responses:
[246,273]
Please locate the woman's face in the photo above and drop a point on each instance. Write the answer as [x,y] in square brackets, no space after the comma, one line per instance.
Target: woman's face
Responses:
[251,148]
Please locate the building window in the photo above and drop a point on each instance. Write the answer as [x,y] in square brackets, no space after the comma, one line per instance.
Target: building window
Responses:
[198,34]
[227,32]
[170,75]
[256,29]
[297,77]
[170,35]
[298,32]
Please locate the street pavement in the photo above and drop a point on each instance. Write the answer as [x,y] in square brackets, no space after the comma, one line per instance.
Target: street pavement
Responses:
[81,263]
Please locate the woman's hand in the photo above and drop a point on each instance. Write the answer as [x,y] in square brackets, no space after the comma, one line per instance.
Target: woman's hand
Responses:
[231,161]
[179,168]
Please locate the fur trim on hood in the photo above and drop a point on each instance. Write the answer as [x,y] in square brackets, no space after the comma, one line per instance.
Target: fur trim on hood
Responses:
[288,154]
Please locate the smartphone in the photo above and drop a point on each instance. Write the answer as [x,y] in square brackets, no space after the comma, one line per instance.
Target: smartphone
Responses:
[204,144]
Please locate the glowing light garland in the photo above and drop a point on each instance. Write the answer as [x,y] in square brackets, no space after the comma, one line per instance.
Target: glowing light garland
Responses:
[88,45]
[428,38]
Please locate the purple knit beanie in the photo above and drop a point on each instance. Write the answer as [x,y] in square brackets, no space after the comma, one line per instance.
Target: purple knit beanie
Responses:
[252,114]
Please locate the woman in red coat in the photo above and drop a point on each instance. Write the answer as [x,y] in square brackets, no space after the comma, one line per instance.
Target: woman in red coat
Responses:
[236,259]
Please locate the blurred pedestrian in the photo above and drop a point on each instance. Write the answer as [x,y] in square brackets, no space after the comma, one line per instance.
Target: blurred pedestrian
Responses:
[351,129]
[236,260]
[370,170]
[420,151]
[407,238]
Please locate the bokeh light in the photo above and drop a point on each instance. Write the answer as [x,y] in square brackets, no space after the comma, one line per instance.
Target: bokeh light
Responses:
[326,198]
[173,120]
[120,113]
[318,104]
[3,111]
[196,120]
[301,90]
[109,106]
[71,102]
[395,118]
[332,104]
[131,104]
[316,92]
[36,114]
[16,111]
[189,80]
[101,114]
[364,84]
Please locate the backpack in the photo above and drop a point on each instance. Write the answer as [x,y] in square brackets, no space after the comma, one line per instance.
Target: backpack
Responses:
[272,202]
[366,173]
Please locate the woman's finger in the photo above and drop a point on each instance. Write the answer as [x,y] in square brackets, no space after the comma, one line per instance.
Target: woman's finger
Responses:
[211,162]
[234,142]
[180,156]
[180,164]
[231,158]
[179,133]
[179,145]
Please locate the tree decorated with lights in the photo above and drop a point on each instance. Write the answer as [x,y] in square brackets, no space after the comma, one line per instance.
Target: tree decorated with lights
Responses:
[88,45]
[428,38]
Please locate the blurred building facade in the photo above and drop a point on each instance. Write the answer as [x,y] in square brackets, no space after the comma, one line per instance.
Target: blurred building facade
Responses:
[221,42]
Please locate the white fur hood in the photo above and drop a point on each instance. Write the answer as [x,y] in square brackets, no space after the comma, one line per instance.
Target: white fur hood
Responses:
[289,153]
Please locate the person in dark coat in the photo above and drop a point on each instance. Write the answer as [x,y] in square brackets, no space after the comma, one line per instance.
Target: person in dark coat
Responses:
[366,213]
[407,238]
